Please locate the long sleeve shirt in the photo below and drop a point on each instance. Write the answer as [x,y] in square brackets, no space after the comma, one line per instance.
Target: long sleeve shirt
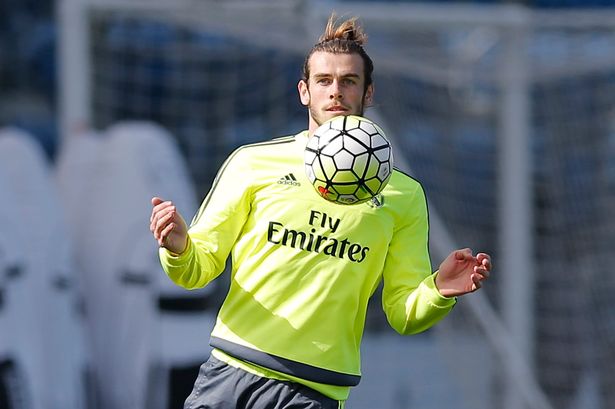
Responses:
[303,268]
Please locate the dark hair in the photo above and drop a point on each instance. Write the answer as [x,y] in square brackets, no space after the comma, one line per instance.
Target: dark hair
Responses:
[346,37]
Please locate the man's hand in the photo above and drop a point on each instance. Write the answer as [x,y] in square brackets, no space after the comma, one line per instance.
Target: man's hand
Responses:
[461,273]
[168,226]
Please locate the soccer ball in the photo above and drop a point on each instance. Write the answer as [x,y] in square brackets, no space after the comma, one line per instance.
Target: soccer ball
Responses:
[348,159]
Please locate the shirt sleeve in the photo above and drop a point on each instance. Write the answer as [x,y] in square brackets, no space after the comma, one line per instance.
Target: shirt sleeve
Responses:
[215,228]
[410,298]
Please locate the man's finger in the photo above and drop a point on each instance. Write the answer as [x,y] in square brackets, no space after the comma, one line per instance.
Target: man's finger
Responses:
[162,205]
[164,220]
[477,280]
[165,233]
[463,254]
[156,201]
[482,271]
[161,210]
[484,259]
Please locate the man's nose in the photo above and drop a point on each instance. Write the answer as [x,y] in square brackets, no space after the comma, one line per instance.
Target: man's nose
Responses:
[335,91]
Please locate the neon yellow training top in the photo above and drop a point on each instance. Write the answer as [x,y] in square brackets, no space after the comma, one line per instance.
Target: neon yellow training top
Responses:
[304,268]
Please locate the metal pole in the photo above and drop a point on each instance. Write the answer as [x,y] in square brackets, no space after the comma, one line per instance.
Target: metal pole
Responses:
[515,247]
[74,109]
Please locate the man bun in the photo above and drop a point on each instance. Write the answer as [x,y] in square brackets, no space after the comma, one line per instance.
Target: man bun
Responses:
[348,30]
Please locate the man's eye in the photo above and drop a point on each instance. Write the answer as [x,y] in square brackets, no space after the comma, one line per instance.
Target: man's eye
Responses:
[323,81]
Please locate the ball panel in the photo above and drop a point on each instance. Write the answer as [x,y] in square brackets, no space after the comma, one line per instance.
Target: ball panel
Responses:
[369,128]
[312,144]
[378,141]
[360,136]
[347,199]
[309,171]
[326,137]
[384,171]
[318,171]
[328,166]
[344,176]
[372,168]
[348,189]
[374,185]
[360,163]
[310,157]
[351,122]
[333,146]
[363,193]
[355,145]
[343,160]
[383,154]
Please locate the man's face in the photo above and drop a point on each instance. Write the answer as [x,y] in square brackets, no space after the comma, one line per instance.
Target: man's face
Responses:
[335,87]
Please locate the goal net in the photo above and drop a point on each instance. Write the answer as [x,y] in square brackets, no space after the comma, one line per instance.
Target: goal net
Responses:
[506,115]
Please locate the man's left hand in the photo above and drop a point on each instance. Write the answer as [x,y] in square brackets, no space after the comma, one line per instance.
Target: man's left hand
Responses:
[462,272]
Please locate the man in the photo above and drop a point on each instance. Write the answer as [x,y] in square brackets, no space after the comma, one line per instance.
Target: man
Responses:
[288,334]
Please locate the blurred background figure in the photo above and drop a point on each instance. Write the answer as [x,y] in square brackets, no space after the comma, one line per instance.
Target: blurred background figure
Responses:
[98,94]
[12,260]
[137,320]
[46,328]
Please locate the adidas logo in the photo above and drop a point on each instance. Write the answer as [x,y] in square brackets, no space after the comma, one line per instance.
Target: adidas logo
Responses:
[289,179]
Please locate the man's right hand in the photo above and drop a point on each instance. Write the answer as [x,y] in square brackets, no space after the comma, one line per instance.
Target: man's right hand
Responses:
[168,226]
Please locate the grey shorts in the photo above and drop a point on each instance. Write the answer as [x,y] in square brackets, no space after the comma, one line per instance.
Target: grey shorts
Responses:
[221,386]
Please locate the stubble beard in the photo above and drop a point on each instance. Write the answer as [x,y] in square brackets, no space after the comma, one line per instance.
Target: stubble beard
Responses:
[314,114]
[317,118]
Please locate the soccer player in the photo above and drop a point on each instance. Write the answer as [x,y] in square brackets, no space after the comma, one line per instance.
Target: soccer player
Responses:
[288,333]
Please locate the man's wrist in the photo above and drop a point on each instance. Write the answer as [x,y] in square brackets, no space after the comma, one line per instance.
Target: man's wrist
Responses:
[440,285]
[177,253]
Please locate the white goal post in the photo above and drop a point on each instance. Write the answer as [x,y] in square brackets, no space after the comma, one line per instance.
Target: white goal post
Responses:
[485,59]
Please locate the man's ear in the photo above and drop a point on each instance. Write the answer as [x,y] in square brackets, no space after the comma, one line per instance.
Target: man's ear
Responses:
[304,92]
[369,95]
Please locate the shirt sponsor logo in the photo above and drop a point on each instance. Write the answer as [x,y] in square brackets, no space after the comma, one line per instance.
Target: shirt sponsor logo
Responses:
[289,179]
[314,242]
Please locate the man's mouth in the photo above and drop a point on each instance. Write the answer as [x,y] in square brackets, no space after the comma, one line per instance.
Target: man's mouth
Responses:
[337,108]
